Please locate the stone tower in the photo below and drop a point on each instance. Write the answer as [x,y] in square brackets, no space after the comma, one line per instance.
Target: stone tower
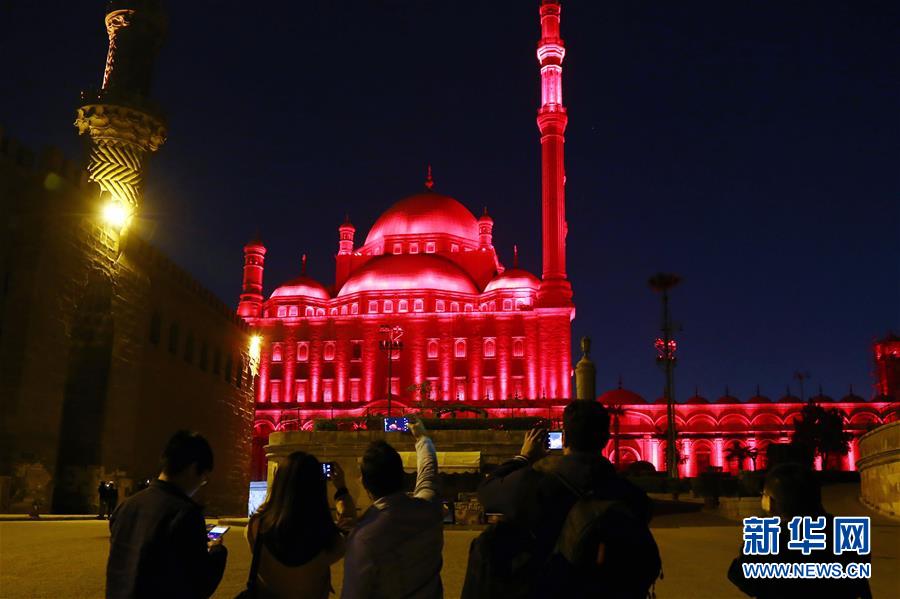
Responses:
[121,123]
[555,290]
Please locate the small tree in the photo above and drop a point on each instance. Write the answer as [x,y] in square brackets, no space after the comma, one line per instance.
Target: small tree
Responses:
[821,431]
[739,452]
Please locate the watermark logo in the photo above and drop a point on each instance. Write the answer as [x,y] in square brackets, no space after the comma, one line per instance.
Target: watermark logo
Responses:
[806,535]
[761,535]
[852,535]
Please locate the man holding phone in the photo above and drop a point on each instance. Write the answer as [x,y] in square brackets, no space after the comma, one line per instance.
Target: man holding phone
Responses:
[395,549]
[159,546]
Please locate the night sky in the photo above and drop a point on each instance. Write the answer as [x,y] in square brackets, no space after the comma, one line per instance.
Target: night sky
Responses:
[751,147]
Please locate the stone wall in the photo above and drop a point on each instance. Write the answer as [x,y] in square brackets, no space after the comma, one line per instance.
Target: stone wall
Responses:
[89,386]
[347,448]
[879,469]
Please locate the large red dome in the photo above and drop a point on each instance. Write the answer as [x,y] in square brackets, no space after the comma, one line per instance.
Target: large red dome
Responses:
[426,213]
[302,287]
[513,278]
[422,272]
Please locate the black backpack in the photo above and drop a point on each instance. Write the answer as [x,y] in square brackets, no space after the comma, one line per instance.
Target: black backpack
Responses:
[506,562]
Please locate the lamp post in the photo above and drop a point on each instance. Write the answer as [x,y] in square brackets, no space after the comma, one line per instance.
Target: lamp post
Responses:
[389,344]
[665,349]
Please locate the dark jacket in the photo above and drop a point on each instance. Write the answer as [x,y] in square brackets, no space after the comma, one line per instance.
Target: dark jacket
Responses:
[158,547]
[535,497]
[530,493]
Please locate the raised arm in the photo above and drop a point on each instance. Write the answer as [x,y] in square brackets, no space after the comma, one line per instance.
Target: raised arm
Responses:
[426,463]
[500,490]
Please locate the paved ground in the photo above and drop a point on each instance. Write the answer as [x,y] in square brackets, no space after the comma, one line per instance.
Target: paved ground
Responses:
[66,559]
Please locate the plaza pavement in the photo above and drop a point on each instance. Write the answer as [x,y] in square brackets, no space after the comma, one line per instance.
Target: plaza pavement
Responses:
[66,559]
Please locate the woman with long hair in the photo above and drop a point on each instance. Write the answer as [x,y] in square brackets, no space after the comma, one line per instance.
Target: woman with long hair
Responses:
[298,538]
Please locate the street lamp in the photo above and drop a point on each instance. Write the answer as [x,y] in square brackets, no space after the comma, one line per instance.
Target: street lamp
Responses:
[665,357]
[391,343]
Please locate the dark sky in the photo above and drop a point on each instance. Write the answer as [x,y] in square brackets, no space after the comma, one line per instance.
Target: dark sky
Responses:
[751,147]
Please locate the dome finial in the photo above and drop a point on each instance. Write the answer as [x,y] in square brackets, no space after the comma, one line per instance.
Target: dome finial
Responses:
[620,380]
[429,180]
[515,256]
[303,265]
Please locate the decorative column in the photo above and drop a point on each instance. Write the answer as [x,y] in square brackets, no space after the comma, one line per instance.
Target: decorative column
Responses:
[121,123]
[719,452]
[586,374]
[555,290]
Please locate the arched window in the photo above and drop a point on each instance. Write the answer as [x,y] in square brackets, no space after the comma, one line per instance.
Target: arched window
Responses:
[518,347]
[470,308]
[507,305]
[418,305]
[490,347]
[282,311]
[354,308]
[276,352]
[189,348]
[373,307]
[293,311]
[388,306]
[454,306]
[432,349]
[344,310]
[403,306]
[173,338]
[429,247]
[303,351]
[328,352]
[320,311]
[310,311]
[155,328]
[439,306]
[459,348]
[204,355]
[334,312]
[413,247]
[301,386]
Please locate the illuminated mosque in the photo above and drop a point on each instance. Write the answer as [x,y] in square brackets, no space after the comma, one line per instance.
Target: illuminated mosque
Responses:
[423,312]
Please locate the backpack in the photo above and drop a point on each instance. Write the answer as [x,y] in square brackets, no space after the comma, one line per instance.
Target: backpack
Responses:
[506,562]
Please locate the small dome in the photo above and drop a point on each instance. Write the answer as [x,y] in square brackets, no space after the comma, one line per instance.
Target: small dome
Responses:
[852,398]
[302,287]
[821,398]
[513,278]
[421,272]
[697,399]
[789,398]
[759,399]
[425,213]
[620,397]
[727,398]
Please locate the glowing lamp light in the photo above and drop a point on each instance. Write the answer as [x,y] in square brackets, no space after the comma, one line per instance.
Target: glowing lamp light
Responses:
[116,214]
[253,351]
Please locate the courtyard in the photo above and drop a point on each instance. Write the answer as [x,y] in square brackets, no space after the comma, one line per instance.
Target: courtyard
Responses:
[67,558]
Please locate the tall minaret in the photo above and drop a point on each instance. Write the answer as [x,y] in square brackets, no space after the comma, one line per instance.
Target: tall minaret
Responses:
[121,122]
[555,290]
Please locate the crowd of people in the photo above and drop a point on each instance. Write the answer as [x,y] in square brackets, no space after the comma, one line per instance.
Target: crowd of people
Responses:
[570,527]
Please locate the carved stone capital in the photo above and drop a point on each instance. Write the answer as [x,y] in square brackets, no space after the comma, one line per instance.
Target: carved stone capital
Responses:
[110,122]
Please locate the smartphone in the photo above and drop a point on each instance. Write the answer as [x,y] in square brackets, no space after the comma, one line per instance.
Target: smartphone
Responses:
[215,533]
[328,470]
[447,508]
[396,425]
[554,440]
